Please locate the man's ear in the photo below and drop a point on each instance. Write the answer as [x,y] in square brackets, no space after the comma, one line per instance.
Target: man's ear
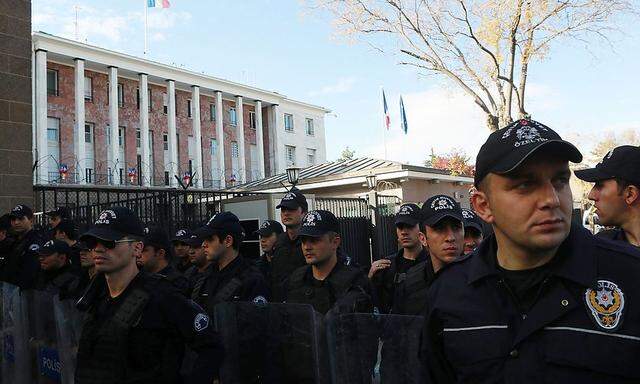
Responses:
[482,206]
[228,241]
[632,195]
[162,253]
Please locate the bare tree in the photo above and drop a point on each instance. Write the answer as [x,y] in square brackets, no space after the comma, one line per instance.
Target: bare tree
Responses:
[483,46]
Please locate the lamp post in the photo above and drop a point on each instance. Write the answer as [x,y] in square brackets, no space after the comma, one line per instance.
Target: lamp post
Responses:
[293,174]
[371,182]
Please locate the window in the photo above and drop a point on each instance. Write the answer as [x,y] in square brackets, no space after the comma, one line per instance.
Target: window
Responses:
[88,88]
[139,101]
[234,149]
[88,175]
[252,120]
[311,156]
[212,109]
[108,140]
[120,95]
[121,137]
[165,141]
[233,117]
[166,177]
[288,122]
[290,154]
[88,133]
[214,147]
[52,82]
[138,138]
[309,127]
[165,103]
[53,129]
[189,108]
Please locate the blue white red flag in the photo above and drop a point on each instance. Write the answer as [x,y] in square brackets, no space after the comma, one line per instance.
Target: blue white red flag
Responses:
[387,118]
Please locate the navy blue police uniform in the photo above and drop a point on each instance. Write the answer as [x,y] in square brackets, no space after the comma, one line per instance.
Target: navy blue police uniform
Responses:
[21,264]
[63,281]
[157,238]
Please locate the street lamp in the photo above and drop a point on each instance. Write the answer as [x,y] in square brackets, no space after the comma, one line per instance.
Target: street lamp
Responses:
[293,174]
[371,182]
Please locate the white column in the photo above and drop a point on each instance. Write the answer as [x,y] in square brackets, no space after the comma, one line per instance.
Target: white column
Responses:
[145,171]
[81,155]
[259,139]
[278,156]
[41,117]
[242,176]
[195,102]
[220,138]
[171,124]
[115,126]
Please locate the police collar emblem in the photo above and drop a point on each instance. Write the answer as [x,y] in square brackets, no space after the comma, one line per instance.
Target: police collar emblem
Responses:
[201,322]
[606,304]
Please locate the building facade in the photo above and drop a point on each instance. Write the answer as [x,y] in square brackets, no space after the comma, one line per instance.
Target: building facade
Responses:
[172,124]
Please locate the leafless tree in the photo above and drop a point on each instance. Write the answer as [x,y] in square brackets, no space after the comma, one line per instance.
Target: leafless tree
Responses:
[483,46]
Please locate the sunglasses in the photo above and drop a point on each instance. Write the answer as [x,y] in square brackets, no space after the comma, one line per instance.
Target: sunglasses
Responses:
[93,242]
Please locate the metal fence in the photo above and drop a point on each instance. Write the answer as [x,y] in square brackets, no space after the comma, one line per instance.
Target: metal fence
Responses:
[169,208]
[385,239]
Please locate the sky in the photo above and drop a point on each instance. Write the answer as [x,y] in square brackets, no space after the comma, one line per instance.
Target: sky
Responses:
[284,46]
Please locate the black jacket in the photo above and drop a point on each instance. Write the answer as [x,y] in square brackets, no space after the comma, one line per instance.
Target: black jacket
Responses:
[21,263]
[287,257]
[63,281]
[584,326]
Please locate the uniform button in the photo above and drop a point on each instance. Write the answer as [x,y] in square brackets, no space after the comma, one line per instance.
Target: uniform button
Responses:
[514,353]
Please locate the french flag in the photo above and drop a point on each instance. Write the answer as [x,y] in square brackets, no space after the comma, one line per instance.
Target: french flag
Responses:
[387,118]
[158,4]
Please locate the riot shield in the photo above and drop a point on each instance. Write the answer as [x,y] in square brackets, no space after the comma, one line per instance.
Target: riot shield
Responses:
[270,343]
[68,326]
[16,361]
[43,341]
[372,348]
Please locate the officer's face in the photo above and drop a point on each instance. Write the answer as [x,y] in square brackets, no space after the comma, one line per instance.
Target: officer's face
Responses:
[21,224]
[445,241]
[86,259]
[530,209]
[318,250]
[408,235]
[52,262]
[268,242]
[115,259]
[291,217]
[149,258]
[54,221]
[472,238]
[180,249]
[214,248]
[197,256]
[609,202]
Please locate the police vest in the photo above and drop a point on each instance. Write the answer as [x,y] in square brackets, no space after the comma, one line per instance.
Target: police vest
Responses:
[411,292]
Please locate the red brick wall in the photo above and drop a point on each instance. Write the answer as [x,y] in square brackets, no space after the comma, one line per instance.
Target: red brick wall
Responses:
[62,107]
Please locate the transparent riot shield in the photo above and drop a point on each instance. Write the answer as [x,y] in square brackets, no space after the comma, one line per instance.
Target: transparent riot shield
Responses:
[68,326]
[16,360]
[270,343]
[371,348]
[43,341]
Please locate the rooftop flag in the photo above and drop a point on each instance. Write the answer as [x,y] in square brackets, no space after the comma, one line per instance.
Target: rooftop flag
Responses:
[403,117]
[158,4]
[387,118]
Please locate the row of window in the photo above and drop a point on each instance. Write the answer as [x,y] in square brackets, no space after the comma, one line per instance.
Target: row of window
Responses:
[290,155]
[52,89]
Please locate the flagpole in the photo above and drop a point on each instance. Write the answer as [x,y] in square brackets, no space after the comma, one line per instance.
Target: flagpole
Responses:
[384,125]
[146,7]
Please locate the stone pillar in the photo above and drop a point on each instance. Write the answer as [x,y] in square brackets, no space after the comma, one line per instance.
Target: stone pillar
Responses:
[259,140]
[242,171]
[116,161]
[145,172]
[41,118]
[197,136]
[220,139]
[79,144]
[278,155]
[171,124]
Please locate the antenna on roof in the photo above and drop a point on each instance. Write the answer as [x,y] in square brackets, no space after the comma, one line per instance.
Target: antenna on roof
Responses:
[76,8]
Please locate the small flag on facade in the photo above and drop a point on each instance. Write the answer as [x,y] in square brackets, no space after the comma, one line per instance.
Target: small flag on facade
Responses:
[158,4]
[403,117]
[387,118]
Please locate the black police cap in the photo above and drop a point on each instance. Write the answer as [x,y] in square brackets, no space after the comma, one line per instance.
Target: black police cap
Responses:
[438,207]
[317,223]
[222,221]
[268,227]
[54,246]
[409,214]
[69,227]
[181,235]
[156,237]
[507,148]
[20,211]
[621,162]
[63,212]
[470,219]
[293,199]
[114,224]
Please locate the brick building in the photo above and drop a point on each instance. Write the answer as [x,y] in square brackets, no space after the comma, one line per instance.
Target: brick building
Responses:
[171,129]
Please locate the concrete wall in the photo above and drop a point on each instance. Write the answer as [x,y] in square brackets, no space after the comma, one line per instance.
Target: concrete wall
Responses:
[16,156]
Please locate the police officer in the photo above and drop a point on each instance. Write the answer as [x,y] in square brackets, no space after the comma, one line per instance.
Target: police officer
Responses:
[287,255]
[6,239]
[67,231]
[156,256]
[55,275]
[56,216]
[200,265]
[138,323]
[538,301]
[387,273]
[181,250]
[616,193]
[473,235]
[233,278]
[324,283]
[268,233]
[21,265]
[87,266]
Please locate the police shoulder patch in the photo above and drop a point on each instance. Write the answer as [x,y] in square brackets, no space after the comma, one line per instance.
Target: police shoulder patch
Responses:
[201,322]
[606,303]
[259,300]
